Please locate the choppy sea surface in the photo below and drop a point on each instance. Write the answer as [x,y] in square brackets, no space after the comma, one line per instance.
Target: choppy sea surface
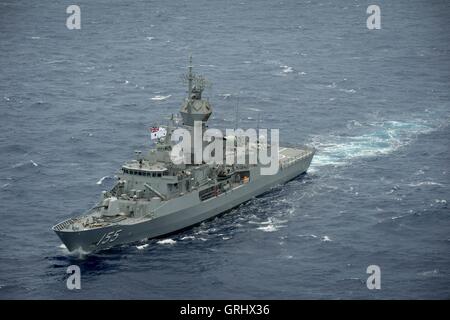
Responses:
[75,104]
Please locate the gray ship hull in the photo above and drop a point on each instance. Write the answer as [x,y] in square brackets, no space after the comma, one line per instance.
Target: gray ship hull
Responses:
[173,219]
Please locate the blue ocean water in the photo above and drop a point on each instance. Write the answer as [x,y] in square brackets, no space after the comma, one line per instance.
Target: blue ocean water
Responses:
[75,104]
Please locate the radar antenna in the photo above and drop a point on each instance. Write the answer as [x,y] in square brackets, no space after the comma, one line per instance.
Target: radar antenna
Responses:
[196,83]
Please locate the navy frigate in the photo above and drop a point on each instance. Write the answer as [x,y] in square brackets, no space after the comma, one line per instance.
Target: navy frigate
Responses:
[155,196]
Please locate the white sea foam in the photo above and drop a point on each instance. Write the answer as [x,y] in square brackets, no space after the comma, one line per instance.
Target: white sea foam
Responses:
[188,238]
[56,61]
[142,247]
[225,95]
[429,273]
[167,241]
[348,90]
[425,183]
[19,164]
[410,213]
[79,253]
[271,225]
[307,235]
[419,172]
[102,179]
[160,98]
[268,228]
[287,69]
[381,138]
[254,109]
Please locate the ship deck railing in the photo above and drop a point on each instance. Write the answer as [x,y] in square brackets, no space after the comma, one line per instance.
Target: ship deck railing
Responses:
[64,224]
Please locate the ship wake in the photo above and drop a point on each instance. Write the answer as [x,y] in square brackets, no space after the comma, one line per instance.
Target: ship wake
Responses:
[364,140]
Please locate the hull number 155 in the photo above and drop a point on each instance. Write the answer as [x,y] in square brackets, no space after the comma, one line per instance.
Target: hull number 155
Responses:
[109,237]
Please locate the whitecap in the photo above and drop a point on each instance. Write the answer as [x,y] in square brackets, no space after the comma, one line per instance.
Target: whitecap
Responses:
[142,247]
[348,90]
[287,69]
[160,98]
[19,164]
[167,241]
[401,216]
[56,61]
[425,183]
[326,239]
[254,109]
[429,273]
[307,235]
[225,95]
